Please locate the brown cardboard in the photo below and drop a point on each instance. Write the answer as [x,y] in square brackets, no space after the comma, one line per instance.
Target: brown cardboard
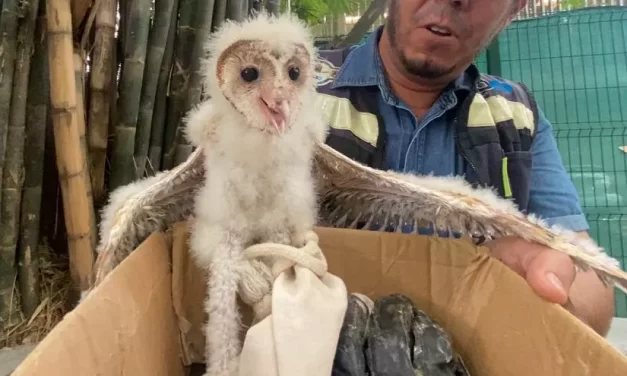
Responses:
[126,327]
[499,326]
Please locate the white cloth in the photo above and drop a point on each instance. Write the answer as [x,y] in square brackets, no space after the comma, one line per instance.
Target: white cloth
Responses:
[300,335]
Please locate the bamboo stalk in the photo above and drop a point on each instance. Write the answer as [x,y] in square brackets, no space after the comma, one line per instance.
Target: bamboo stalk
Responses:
[8,30]
[80,9]
[237,9]
[79,74]
[8,41]
[273,7]
[219,13]
[13,177]
[161,99]
[36,120]
[154,58]
[203,23]
[122,161]
[100,95]
[255,6]
[70,162]
[179,79]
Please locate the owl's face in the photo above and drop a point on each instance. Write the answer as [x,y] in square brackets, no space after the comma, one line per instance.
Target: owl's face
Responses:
[265,81]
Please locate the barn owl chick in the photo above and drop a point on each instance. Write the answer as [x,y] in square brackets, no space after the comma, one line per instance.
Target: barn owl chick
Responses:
[258,133]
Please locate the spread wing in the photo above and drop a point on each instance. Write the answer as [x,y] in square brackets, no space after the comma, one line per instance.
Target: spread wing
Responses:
[353,195]
[137,210]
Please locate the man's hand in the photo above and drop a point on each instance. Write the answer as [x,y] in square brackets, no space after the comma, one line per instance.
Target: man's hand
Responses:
[551,274]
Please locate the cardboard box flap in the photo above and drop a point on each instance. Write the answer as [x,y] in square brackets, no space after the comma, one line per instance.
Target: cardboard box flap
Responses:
[147,317]
[501,327]
[497,323]
[126,326]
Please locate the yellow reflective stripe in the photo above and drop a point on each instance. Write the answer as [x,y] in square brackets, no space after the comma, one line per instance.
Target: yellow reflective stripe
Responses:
[507,188]
[480,114]
[496,109]
[340,114]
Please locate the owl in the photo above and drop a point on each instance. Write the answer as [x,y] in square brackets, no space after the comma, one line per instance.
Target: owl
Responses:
[258,134]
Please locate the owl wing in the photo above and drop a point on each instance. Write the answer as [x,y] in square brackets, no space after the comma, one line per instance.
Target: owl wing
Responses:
[353,195]
[155,205]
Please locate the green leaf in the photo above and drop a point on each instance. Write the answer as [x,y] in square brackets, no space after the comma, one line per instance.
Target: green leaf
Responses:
[312,11]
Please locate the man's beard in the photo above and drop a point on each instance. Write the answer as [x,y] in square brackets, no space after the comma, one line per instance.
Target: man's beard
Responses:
[422,68]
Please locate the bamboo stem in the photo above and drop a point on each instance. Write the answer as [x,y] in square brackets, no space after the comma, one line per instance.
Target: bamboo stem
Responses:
[79,74]
[161,99]
[179,79]
[273,7]
[204,22]
[13,177]
[194,91]
[8,41]
[255,6]
[100,95]
[80,9]
[36,120]
[219,13]
[122,156]
[8,30]
[154,59]
[70,162]
[237,10]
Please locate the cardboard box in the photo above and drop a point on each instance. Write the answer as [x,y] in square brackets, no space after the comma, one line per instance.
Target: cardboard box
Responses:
[146,318]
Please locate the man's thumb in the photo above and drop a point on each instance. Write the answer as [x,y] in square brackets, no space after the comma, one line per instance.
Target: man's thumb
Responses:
[551,275]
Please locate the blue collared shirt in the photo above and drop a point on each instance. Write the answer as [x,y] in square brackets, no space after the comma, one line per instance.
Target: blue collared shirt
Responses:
[427,145]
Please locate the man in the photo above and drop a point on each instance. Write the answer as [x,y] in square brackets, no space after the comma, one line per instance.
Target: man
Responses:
[409,99]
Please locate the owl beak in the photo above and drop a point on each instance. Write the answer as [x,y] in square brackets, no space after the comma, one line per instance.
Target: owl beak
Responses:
[277,112]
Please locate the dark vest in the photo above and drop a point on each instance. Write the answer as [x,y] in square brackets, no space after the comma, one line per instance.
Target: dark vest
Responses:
[495,125]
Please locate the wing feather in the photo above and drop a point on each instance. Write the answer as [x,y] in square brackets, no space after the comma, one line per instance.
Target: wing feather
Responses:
[354,195]
[451,205]
[154,204]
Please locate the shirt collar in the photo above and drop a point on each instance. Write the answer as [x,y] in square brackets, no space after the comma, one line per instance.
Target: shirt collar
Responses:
[363,67]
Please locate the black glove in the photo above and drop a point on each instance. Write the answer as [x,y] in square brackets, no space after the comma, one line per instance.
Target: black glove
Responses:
[392,338]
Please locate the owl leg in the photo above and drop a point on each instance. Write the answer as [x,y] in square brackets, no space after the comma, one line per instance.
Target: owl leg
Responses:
[223,328]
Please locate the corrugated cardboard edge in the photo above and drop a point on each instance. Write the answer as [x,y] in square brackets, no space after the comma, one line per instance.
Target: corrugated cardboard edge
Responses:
[475,297]
[126,326]
[547,339]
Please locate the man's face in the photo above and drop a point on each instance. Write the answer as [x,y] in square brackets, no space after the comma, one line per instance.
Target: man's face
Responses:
[436,39]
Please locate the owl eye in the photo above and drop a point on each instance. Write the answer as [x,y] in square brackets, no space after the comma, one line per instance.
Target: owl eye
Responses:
[294,73]
[249,74]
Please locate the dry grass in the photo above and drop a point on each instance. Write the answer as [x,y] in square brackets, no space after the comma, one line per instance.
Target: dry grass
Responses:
[55,291]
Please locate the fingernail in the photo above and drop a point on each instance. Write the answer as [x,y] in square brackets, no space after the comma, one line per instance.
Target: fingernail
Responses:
[556,282]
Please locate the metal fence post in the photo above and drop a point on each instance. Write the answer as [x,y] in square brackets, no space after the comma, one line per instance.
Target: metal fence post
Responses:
[494,57]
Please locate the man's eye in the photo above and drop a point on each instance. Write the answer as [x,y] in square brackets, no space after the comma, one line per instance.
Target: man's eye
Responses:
[294,73]
[249,74]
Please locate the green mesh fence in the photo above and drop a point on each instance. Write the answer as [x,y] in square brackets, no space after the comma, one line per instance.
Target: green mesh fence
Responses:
[576,65]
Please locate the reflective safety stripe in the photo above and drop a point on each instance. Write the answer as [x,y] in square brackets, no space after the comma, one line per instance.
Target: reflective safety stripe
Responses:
[496,109]
[507,188]
[340,113]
